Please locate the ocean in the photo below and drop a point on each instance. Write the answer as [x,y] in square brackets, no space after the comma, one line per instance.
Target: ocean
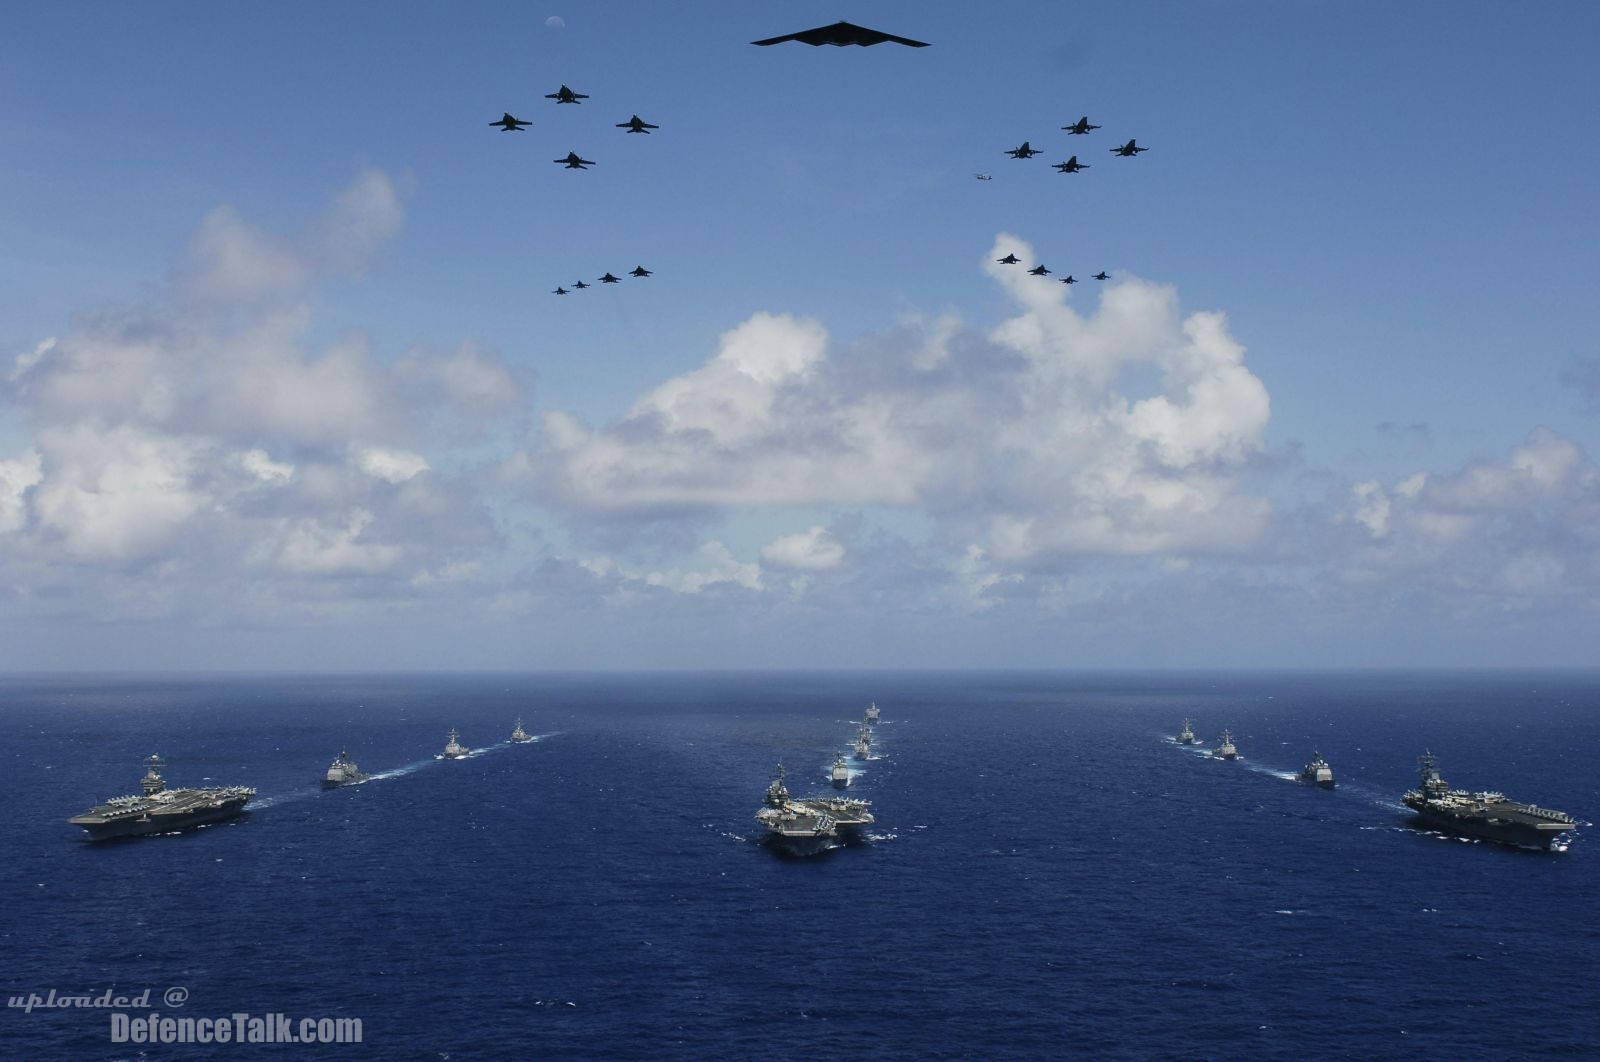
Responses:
[1050,875]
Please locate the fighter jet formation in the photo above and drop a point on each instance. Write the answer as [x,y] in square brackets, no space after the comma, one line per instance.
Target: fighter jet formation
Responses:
[573,161]
[1041,270]
[838,34]
[606,278]
[1082,127]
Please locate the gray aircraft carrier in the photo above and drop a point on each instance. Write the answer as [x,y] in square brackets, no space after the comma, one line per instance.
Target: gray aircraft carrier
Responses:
[159,809]
[809,826]
[1488,815]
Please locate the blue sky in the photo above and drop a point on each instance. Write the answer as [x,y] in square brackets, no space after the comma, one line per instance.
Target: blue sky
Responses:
[1392,207]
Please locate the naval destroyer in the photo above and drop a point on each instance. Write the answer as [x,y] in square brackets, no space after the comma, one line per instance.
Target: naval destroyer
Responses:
[1490,816]
[863,747]
[1317,772]
[520,737]
[161,810]
[872,712]
[454,750]
[1225,749]
[1186,735]
[807,827]
[840,775]
[342,772]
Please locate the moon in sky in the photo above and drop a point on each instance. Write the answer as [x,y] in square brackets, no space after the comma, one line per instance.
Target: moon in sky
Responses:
[556,22]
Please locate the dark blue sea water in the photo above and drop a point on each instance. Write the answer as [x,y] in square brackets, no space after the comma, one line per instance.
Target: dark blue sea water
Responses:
[1051,875]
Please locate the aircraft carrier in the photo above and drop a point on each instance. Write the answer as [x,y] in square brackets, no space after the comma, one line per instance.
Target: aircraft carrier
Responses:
[808,827]
[161,810]
[1487,815]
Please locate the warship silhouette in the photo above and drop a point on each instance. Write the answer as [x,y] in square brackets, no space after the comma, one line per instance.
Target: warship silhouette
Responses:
[159,809]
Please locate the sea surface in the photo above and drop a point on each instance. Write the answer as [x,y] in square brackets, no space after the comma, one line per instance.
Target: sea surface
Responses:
[1050,874]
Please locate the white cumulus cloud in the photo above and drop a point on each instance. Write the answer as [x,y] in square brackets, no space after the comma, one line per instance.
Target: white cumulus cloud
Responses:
[813,550]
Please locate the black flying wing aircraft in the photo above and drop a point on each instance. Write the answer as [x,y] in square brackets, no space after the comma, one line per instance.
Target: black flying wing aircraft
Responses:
[1072,165]
[638,271]
[609,279]
[1040,270]
[1128,150]
[637,125]
[1079,127]
[841,34]
[1069,279]
[565,95]
[1102,275]
[559,290]
[1026,151]
[580,285]
[1009,259]
[509,124]
[573,162]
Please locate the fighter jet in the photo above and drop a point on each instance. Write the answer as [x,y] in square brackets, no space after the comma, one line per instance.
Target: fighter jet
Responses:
[1072,165]
[637,125]
[1024,152]
[1009,259]
[559,290]
[573,162]
[1128,150]
[840,34]
[983,176]
[1039,270]
[1102,275]
[565,95]
[1079,127]
[509,124]
[638,271]
[609,279]
[1069,279]
[580,285]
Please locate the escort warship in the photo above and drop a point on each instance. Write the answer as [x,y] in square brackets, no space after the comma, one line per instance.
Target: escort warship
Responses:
[1487,815]
[807,827]
[342,772]
[518,736]
[1225,749]
[454,750]
[1317,772]
[161,810]
[863,747]
[1186,735]
[872,712]
[840,775]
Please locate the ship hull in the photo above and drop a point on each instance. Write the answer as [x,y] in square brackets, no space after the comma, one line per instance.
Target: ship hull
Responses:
[842,783]
[145,825]
[800,847]
[1482,829]
[328,783]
